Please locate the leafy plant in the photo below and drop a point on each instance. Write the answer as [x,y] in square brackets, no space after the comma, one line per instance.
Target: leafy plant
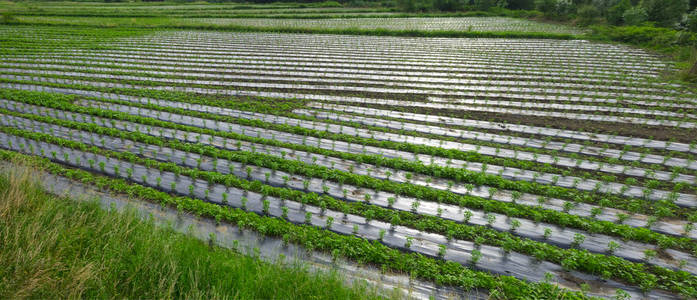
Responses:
[476,256]
[408,242]
[578,239]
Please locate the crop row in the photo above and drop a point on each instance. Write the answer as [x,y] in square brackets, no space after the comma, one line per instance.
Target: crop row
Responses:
[432,183]
[394,175]
[588,89]
[312,237]
[439,156]
[347,192]
[184,85]
[491,151]
[470,24]
[362,71]
[571,53]
[673,162]
[325,144]
[350,86]
[418,62]
[397,236]
[481,127]
[469,70]
[360,115]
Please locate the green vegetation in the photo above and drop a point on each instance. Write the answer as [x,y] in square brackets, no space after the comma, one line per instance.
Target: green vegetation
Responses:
[316,238]
[53,247]
[662,26]
[582,260]
[472,154]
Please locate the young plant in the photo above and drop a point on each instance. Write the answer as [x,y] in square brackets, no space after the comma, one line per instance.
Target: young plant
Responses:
[441,251]
[390,201]
[415,206]
[244,200]
[467,216]
[249,172]
[621,217]
[266,204]
[476,256]
[395,220]
[323,207]
[649,254]
[612,246]
[515,196]
[490,219]
[547,233]
[578,240]
[330,220]
[595,211]
[515,224]
[408,242]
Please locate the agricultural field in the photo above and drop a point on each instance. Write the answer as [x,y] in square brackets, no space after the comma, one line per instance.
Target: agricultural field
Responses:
[347,22]
[176,10]
[469,24]
[480,24]
[506,168]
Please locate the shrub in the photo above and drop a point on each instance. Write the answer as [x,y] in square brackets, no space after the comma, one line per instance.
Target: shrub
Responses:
[547,7]
[665,12]
[564,7]
[587,14]
[450,5]
[603,5]
[328,4]
[689,21]
[415,5]
[615,15]
[635,16]
[521,4]
[482,4]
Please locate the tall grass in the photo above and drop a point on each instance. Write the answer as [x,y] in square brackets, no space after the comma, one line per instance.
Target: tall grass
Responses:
[52,247]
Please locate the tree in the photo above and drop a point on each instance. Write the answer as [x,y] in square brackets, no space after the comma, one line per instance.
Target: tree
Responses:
[689,21]
[483,4]
[548,7]
[604,5]
[413,5]
[615,14]
[587,14]
[635,16]
[665,12]
[565,8]
[521,4]
[448,5]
